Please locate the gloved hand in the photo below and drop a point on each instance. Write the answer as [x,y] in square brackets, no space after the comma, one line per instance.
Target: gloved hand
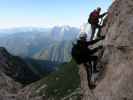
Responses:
[102,37]
[106,13]
[100,47]
[103,14]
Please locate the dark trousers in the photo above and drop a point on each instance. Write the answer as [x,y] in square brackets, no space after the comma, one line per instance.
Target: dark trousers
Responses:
[93,29]
[92,60]
[90,68]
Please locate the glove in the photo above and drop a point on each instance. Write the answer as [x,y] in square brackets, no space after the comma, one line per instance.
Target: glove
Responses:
[102,37]
[100,47]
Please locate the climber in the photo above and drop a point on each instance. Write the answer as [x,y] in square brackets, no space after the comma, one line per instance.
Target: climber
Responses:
[82,54]
[94,21]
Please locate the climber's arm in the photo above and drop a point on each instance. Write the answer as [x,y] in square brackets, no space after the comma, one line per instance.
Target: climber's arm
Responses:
[92,51]
[94,41]
[102,15]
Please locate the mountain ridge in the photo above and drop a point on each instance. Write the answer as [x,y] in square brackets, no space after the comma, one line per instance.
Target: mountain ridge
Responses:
[30,43]
[16,68]
[117,58]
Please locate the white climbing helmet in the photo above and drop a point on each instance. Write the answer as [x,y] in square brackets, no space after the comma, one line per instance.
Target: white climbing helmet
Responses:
[83,36]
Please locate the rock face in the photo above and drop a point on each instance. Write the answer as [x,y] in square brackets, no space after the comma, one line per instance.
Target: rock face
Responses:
[117,59]
[85,91]
[8,87]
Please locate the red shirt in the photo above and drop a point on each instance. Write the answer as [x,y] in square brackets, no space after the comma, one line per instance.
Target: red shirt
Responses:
[95,17]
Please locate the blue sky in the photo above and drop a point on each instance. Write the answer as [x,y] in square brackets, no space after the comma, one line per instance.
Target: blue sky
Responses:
[47,13]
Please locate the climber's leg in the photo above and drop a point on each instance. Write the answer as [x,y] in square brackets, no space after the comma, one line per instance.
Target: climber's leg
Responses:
[93,29]
[94,59]
[89,74]
[88,70]
[99,30]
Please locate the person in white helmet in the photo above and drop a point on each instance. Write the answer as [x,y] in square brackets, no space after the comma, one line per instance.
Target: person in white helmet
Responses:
[82,54]
[94,21]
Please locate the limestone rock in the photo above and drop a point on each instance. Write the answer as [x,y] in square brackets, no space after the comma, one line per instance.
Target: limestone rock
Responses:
[117,59]
[8,87]
[117,83]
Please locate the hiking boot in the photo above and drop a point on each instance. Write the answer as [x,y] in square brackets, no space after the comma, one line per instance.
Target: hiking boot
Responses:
[101,37]
[96,71]
[92,86]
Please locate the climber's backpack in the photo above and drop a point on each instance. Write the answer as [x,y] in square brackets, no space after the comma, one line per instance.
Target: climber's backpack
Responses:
[75,52]
[93,17]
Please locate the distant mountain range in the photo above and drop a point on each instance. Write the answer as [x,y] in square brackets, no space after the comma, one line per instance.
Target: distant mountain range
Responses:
[39,61]
[52,44]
